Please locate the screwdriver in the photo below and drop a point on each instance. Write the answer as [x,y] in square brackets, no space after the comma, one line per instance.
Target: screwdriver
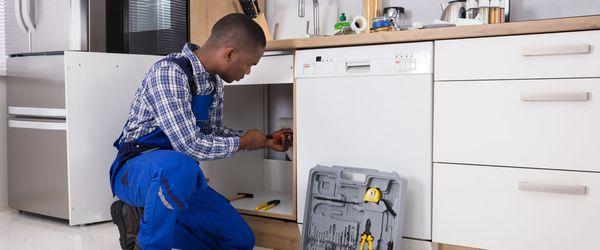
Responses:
[267,205]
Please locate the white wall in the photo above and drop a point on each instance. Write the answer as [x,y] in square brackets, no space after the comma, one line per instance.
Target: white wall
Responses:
[285,12]
[3,123]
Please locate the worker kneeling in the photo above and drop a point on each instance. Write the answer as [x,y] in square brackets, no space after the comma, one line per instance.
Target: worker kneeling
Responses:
[175,121]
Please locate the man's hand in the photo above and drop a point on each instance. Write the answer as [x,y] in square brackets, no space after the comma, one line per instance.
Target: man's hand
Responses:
[252,140]
[281,140]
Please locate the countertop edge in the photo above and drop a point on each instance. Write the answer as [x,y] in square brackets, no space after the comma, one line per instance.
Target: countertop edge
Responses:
[503,29]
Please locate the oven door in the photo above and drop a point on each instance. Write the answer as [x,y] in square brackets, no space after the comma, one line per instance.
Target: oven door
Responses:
[155,27]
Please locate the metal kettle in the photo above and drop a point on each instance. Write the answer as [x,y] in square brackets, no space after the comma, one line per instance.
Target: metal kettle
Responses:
[454,10]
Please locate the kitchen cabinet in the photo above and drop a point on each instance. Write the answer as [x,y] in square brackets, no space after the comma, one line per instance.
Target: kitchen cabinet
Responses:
[515,208]
[264,101]
[557,55]
[98,91]
[205,13]
[515,141]
[109,82]
[526,123]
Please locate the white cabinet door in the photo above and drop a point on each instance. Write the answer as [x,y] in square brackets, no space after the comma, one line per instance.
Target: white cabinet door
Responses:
[99,89]
[377,122]
[512,208]
[559,55]
[527,123]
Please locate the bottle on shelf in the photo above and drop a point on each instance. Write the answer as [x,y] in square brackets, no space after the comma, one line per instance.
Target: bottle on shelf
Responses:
[342,22]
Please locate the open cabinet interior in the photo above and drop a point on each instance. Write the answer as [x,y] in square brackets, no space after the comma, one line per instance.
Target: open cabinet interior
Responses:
[266,174]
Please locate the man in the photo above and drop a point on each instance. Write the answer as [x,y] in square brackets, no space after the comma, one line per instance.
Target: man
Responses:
[176,121]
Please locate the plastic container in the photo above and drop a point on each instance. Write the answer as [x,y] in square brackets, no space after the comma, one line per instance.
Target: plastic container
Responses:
[472,7]
[484,11]
[342,22]
[381,24]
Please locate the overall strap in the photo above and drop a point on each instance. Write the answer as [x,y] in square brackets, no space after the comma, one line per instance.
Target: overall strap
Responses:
[186,65]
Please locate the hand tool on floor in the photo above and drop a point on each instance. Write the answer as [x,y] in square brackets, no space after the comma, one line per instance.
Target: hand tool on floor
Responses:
[239,196]
[366,236]
[267,205]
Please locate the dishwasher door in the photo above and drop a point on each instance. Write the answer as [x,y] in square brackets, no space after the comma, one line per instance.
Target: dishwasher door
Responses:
[377,122]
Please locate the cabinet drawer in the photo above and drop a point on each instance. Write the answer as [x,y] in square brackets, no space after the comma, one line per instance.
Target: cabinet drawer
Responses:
[272,69]
[36,82]
[559,55]
[529,123]
[512,208]
[37,166]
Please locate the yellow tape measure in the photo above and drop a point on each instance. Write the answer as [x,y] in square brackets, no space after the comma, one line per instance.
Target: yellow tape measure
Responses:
[373,194]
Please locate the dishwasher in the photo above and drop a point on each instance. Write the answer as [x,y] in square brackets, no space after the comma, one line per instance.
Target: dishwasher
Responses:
[368,107]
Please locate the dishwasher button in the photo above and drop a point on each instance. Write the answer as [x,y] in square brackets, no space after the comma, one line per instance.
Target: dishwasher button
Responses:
[308,68]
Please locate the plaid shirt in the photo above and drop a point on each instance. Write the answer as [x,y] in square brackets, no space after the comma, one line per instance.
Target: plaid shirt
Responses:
[164,101]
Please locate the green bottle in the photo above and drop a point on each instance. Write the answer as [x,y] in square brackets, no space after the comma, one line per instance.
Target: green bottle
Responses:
[342,22]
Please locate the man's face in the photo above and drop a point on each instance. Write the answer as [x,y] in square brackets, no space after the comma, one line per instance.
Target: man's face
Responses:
[238,63]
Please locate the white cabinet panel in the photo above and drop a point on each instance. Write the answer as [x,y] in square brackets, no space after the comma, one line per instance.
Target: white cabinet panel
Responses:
[271,70]
[560,55]
[527,123]
[491,208]
[99,89]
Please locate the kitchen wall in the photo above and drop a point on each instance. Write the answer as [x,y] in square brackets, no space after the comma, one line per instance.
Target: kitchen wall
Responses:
[3,122]
[285,12]
[541,9]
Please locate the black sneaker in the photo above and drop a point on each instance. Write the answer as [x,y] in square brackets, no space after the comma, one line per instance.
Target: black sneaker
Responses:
[127,219]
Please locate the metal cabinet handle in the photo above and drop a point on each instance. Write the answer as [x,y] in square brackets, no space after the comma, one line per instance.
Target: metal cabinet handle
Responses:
[19,16]
[41,112]
[27,15]
[552,188]
[555,97]
[37,125]
[557,50]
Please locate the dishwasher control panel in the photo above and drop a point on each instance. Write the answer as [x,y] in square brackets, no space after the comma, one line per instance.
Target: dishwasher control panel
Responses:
[391,59]
[405,63]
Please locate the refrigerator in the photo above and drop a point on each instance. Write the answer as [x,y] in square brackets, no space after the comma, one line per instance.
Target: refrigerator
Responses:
[38,33]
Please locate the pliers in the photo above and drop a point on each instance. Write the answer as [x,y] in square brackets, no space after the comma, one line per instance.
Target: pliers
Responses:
[366,236]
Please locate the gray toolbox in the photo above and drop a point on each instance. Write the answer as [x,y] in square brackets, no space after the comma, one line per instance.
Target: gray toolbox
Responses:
[345,206]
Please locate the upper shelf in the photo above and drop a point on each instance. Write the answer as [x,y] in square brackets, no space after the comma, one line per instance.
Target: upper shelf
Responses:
[502,29]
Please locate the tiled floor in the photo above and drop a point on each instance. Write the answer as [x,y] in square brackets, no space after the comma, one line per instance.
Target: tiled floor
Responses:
[19,231]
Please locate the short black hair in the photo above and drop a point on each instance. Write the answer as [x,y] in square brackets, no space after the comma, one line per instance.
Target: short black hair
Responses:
[238,30]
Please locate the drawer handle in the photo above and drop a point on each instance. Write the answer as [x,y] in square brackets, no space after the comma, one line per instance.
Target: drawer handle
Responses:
[555,97]
[552,188]
[557,50]
[37,125]
[42,112]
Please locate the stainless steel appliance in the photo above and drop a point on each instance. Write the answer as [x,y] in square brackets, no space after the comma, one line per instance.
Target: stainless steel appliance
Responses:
[154,27]
[453,10]
[38,32]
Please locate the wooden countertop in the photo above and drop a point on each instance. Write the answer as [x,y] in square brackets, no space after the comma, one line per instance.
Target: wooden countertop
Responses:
[502,29]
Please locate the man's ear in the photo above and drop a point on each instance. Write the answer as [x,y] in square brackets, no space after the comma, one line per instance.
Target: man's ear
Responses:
[229,54]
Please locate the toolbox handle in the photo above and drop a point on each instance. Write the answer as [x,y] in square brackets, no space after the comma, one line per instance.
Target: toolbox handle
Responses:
[354,176]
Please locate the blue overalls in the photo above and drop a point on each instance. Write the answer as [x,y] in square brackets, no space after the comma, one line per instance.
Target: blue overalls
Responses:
[180,210]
